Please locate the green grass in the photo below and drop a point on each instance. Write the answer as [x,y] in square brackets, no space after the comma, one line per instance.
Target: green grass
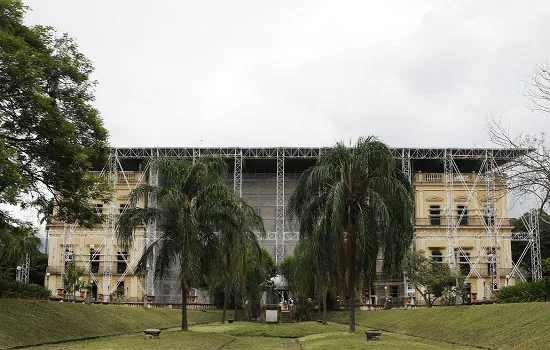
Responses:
[502,326]
[30,322]
[246,335]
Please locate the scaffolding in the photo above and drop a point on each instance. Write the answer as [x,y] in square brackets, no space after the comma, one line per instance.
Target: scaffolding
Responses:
[268,191]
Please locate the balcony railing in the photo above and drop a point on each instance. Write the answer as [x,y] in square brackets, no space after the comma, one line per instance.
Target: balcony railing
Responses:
[130,176]
[464,221]
[439,178]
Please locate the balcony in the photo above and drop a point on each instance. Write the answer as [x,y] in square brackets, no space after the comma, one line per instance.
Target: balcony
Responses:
[464,221]
[439,178]
[132,177]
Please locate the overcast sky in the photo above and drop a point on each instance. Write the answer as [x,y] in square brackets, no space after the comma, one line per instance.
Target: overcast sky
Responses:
[306,73]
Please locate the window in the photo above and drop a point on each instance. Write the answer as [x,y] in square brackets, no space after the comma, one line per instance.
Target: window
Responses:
[98,209]
[94,258]
[437,256]
[120,290]
[121,265]
[394,291]
[435,215]
[491,261]
[462,212]
[69,256]
[464,263]
[489,215]
[121,208]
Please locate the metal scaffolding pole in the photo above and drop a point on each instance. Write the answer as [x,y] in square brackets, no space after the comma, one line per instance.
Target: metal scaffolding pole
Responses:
[449,197]
[280,211]
[535,246]
[110,223]
[493,256]
[151,235]
[238,175]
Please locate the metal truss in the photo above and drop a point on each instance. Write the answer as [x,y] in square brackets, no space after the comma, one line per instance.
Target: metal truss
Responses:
[151,235]
[280,210]
[238,175]
[532,225]
[311,152]
[22,273]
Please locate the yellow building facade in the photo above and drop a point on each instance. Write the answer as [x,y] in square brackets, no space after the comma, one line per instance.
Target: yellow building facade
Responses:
[460,218]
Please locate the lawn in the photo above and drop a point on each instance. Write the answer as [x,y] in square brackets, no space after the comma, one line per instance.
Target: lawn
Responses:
[502,326]
[30,322]
[246,335]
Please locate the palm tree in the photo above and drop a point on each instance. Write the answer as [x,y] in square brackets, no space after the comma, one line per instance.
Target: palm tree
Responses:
[314,266]
[192,206]
[359,195]
[234,240]
[22,242]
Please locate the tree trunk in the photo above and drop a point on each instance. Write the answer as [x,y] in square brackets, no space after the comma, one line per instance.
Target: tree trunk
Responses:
[351,275]
[226,290]
[318,308]
[184,293]
[236,304]
[325,308]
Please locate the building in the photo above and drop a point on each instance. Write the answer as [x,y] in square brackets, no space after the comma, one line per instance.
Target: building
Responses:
[461,218]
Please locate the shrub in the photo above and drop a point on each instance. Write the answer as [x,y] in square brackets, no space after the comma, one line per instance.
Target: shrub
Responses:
[20,290]
[526,292]
[302,310]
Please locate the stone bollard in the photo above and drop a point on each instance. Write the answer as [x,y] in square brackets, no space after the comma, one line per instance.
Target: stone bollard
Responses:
[152,333]
[373,334]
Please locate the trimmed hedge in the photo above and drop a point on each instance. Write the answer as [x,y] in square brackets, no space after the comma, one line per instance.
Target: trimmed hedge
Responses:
[524,292]
[20,290]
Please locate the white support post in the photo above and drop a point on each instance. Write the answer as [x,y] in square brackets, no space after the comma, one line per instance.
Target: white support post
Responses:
[493,257]
[535,246]
[407,172]
[151,235]
[449,198]
[238,174]
[109,225]
[280,211]
[26,269]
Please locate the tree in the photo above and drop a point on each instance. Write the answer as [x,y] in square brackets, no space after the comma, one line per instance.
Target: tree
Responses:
[519,246]
[430,278]
[234,241]
[260,269]
[193,206]
[50,135]
[364,201]
[22,241]
[314,266]
[72,279]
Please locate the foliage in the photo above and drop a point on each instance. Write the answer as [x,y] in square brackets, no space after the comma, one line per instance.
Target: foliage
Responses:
[430,278]
[19,240]
[192,208]
[519,246]
[260,269]
[354,193]
[50,134]
[526,292]
[15,289]
[302,309]
[228,268]
[72,279]
[545,267]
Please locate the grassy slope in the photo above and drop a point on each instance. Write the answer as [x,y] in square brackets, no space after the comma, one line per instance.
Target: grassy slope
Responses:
[29,322]
[246,335]
[504,326]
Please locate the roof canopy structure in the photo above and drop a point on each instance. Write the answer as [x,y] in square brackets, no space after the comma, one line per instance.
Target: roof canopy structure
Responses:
[297,159]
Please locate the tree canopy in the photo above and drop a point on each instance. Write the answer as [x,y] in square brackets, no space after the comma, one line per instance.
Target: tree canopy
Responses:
[50,134]
[363,202]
